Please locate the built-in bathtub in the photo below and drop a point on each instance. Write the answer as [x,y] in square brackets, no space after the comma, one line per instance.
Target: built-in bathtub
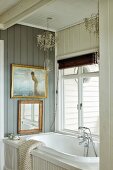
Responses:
[68,150]
[60,152]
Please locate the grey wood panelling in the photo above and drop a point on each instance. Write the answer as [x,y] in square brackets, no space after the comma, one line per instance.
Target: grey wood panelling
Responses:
[20,48]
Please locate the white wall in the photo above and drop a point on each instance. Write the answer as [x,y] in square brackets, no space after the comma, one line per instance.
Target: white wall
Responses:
[75,39]
[1,102]
[106,84]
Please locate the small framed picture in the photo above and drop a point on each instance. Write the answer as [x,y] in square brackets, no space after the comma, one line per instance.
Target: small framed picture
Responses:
[30,116]
[28,81]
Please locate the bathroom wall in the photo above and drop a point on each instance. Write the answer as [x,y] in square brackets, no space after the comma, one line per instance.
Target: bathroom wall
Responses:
[75,39]
[20,48]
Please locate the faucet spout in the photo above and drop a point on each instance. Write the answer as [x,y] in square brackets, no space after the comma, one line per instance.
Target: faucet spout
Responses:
[86,138]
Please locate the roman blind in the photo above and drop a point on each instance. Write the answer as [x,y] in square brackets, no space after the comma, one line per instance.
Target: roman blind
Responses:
[86,59]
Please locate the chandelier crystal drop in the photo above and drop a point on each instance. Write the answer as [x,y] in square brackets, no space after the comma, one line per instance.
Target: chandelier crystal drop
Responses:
[92,24]
[48,64]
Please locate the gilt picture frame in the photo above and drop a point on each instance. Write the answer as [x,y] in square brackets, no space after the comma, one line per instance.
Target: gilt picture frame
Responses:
[30,116]
[28,81]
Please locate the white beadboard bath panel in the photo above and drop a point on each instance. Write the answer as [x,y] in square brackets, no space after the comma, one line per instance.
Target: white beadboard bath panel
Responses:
[75,39]
[40,164]
[10,154]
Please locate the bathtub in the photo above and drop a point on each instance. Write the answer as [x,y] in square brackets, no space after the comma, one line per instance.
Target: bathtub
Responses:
[60,152]
[64,150]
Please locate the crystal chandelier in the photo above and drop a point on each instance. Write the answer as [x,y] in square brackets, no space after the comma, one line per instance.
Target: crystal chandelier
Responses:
[46,40]
[92,24]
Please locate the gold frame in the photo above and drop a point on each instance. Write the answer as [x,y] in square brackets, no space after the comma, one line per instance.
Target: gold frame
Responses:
[40,102]
[14,66]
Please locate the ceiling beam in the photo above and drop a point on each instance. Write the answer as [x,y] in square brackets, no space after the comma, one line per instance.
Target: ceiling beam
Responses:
[20,11]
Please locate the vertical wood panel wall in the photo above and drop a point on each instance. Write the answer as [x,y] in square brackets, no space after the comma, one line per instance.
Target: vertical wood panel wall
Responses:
[20,48]
[75,39]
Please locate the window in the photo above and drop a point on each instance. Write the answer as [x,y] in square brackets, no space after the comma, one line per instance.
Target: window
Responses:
[79,98]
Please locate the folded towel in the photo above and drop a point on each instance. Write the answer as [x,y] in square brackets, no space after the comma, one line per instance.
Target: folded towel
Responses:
[24,154]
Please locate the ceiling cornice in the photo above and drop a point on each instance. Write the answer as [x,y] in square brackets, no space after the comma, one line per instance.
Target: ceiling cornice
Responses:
[36,26]
[20,11]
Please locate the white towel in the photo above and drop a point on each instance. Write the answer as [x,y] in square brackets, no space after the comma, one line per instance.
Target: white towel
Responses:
[24,154]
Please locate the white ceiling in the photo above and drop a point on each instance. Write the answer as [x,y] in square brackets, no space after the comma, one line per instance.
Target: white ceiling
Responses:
[64,13]
[6,4]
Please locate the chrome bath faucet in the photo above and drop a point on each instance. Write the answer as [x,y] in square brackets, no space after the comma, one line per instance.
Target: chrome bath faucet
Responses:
[86,138]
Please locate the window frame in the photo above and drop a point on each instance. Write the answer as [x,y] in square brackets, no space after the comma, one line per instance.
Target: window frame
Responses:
[60,113]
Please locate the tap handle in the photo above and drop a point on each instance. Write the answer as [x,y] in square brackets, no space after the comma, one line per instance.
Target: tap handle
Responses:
[82,127]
